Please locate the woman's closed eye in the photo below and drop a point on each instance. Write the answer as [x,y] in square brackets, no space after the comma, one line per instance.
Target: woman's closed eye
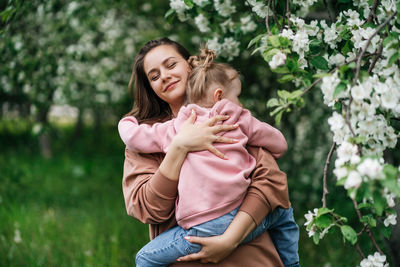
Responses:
[171,65]
[154,77]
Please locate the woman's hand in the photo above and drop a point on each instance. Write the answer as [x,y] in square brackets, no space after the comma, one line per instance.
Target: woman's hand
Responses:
[201,136]
[214,249]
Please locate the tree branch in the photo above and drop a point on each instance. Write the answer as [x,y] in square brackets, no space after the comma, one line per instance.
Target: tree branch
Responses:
[274,15]
[327,162]
[329,11]
[361,54]
[267,18]
[372,14]
[371,236]
[378,54]
[288,13]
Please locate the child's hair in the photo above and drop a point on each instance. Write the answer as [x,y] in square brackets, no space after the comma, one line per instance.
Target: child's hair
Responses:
[204,73]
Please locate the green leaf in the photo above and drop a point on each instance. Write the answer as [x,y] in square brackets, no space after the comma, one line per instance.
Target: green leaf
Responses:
[316,238]
[390,171]
[279,117]
[286,78]
[364,206]
[346,48]
[379,203]
[296,94]
[323,221]
[273,102]
[338,106]
[274,40]
[369,220]
[169,13]
[285,42]
[255,40]
[322,211]
[321,75]
[393,58]
[283,94]
[189,3]
[349,234]
[319,62]
[339,88]
[276,110]
[281,70]
[315,46]
[292,64]
[270,53]
[386,231]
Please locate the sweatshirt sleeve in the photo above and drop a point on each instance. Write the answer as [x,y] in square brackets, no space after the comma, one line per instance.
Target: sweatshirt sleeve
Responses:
[268,189]
[145,138]
[149,196]
[263,134]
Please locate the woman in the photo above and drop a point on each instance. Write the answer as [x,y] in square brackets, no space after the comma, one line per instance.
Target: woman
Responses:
[150,181]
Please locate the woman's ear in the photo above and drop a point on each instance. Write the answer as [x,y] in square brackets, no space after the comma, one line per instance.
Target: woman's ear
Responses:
[218,94]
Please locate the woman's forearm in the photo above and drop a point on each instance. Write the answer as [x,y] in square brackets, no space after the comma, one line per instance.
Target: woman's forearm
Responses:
[240,227]
[170,167]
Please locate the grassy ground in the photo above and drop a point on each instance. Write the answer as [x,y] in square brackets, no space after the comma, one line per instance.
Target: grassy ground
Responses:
[69,210]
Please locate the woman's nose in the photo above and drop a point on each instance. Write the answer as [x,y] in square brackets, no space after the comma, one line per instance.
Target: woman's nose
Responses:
[165,75]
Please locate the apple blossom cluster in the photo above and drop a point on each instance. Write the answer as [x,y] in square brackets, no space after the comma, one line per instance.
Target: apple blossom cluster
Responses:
[223,40]
[229,48]
[374,260]
[259,8]
[304,3]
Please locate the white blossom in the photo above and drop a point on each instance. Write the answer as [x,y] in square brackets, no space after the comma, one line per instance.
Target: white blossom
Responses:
[200,2]
[277,60]
[391,219]
[331,35]
[353,18]
[259,8]
[340,172]
[374,261]
[371,168]
[248,24]
[202,23]
[178,5]
[328,86]
[230,48]
[353,180]
[226,8]
[346,151]
[304,3]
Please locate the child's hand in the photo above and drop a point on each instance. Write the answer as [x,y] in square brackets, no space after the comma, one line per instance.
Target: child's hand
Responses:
[201,136]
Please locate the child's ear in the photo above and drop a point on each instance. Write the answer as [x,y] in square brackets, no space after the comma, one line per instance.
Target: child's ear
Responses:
[218,94]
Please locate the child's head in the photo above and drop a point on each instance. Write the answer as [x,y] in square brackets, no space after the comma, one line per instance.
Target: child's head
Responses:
[210,81]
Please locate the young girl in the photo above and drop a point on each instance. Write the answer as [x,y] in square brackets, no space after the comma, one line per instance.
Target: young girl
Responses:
[211,188]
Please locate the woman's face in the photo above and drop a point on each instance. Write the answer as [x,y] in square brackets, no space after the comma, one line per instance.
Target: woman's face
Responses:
[167,72]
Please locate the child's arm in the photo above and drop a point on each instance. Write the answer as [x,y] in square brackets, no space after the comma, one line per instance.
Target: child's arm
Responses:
[143,138]
[263,134]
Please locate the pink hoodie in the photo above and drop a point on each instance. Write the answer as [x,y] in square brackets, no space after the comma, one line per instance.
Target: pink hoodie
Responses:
[208,185]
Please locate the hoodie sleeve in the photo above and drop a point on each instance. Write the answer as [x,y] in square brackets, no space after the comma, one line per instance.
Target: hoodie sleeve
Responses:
[144,138]
[262,134]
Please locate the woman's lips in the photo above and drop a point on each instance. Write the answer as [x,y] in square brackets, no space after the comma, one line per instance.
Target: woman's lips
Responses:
[171,86]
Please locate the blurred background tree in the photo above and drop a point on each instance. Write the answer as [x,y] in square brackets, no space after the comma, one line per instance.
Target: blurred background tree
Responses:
[63,87]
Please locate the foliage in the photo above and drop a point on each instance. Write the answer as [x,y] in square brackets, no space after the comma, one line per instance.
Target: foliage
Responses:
[354,52]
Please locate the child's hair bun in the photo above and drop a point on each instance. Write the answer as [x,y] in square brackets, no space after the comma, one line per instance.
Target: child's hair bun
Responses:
[203,60]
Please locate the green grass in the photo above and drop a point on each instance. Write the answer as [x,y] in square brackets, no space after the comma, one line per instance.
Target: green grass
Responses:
[69,210]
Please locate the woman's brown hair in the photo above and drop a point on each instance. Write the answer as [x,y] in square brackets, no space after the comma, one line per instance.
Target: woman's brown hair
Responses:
[147,106]
[204,73]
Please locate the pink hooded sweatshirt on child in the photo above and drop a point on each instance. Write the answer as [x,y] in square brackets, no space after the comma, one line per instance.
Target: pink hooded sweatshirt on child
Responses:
[209,186]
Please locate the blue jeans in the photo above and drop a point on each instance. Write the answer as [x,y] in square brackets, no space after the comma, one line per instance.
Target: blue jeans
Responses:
[170,245]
